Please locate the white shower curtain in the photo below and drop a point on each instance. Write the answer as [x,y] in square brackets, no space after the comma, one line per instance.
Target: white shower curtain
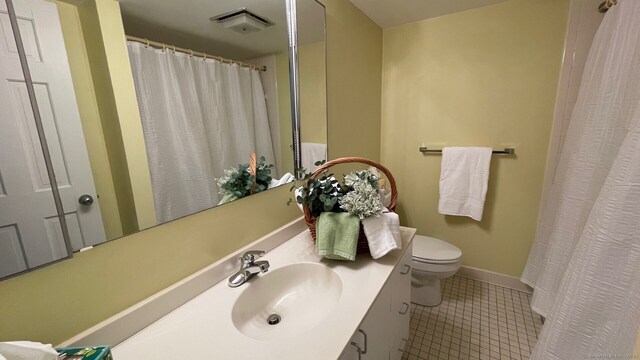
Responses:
[199,117]
[584,265]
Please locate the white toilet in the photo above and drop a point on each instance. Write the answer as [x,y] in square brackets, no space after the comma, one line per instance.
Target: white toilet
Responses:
[433,259]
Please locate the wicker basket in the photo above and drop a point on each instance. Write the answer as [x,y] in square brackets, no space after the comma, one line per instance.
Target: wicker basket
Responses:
[253,169]
[363,245]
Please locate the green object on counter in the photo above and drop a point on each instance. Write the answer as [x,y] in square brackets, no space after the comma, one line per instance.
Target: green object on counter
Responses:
[85,353]
[337,235]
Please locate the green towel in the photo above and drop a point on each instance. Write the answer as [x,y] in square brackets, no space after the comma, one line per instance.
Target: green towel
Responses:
[337,235]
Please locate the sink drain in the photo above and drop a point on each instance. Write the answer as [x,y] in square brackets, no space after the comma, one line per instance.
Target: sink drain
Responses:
[273,319]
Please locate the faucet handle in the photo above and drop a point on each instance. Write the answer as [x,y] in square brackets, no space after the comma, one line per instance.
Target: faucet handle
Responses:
[250,256]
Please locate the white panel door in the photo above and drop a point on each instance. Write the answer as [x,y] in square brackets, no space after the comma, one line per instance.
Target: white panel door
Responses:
[61,119]
[27,210]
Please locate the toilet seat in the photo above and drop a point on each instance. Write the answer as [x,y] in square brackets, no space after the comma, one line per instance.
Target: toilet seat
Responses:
[429,250]
[429,261]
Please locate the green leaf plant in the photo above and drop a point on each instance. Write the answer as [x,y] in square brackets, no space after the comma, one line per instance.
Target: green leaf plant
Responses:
[238,181]
[319,195]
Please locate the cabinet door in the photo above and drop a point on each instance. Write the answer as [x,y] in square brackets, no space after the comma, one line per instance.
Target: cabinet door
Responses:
[384,331]
[350,352]
[374,338]
[397,350]
[400,304]
[374,335]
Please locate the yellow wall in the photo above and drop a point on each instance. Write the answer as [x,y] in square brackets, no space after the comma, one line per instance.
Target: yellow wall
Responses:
[54,303]
[90,21]
[313,93]
[313,98]
[284,110]
[90,117]
[484,77]
[354,80]
[108,59]
[124,91]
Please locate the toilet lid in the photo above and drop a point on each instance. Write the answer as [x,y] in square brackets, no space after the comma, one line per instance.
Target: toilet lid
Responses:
[428,248]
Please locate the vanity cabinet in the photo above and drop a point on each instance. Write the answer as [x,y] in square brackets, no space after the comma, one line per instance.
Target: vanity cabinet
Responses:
[384,332]
[401,305]
[366,303]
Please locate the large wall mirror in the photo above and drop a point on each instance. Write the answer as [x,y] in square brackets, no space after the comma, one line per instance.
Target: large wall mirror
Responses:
[146,111]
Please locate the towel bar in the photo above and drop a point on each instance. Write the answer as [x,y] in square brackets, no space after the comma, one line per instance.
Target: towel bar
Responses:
[506,151]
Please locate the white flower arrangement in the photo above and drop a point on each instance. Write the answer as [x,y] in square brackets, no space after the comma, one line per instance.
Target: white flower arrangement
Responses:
[363,175]
[363,201]
[358,196]
[228,175]
[238,181]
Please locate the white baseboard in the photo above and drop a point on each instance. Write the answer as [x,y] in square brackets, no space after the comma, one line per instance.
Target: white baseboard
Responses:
[494,278]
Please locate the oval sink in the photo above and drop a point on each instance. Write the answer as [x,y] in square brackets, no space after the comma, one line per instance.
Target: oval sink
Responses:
[301,295]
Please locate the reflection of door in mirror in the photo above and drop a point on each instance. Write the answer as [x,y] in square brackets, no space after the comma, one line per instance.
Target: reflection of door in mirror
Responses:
[30,233]
[58,109]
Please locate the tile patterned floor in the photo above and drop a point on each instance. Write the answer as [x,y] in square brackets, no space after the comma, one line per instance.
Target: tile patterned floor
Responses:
[476,320]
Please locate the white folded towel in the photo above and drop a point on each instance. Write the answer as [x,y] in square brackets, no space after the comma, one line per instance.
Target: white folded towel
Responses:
[297,193]
[383,233]
[463,181]
[27,350]
[286,178]
[311,153]
[385,195]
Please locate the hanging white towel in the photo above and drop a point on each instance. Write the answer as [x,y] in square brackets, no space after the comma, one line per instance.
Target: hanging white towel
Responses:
[383,233]
[311,153]
[463,181]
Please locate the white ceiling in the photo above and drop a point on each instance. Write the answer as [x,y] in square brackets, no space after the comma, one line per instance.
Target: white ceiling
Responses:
[388,13]
[186,24]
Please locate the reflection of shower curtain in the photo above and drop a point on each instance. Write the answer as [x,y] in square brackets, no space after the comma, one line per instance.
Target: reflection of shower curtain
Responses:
[199,117]
[585,262]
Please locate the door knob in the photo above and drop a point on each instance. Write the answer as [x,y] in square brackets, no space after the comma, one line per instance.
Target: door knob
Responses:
[85,200]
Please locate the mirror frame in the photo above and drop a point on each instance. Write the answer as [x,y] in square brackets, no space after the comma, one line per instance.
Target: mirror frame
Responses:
[294,88]
[294,84]
[294,79]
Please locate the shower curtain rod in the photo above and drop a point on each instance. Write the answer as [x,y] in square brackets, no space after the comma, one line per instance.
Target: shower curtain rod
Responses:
[606,5]
[205,56]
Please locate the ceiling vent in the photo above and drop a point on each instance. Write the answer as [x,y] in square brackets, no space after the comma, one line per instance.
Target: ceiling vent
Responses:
[243,21]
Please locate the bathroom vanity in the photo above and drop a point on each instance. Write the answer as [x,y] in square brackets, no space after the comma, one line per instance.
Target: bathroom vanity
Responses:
[327,309]
[385,329]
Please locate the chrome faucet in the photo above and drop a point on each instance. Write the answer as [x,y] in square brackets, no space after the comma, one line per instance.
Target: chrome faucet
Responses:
[249,268]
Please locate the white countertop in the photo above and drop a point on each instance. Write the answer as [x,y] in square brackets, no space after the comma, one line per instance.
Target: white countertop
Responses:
[203,327]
